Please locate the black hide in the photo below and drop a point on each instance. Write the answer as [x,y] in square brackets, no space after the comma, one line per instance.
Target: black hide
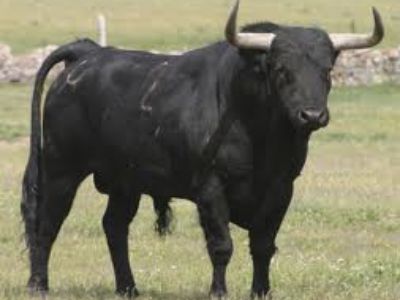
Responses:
[139,122]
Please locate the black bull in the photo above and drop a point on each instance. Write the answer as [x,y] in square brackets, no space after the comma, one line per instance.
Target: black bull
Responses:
[139,123]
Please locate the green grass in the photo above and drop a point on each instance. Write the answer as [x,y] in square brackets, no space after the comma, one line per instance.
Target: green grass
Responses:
[14,112]
[163,24]
[340,239]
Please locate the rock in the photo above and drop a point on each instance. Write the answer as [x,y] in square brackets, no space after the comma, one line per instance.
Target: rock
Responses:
[21,68]
[358,67]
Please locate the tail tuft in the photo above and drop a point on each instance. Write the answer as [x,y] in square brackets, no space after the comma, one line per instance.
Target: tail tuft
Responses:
[164,215]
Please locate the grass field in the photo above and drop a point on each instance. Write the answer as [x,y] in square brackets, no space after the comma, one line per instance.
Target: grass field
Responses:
[340,240]
[165,24]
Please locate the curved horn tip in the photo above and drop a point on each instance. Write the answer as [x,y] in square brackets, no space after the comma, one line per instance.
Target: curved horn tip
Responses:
[230,29]
[375,12]
[259,41]
[235,7]
[379,29]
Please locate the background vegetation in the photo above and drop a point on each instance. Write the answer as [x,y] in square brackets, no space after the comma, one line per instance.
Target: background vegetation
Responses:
[341,237]
[166,24]
[340,240]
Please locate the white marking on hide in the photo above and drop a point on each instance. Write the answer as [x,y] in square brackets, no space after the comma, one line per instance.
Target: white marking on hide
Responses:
[156,70]
[146,97]
[208,137]
[157,131]
[73,81]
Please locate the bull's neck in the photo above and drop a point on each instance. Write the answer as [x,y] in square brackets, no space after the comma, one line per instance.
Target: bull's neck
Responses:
[275,139]
[256,105]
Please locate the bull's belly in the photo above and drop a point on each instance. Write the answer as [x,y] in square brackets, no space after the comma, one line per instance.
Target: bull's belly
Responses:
[242,212]
[148,176]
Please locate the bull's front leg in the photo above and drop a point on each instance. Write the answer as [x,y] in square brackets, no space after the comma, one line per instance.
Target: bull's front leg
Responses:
[262,238]
[214,219]
[262,249]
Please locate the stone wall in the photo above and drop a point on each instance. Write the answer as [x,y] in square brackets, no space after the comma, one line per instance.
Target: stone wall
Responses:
[362,67]
[21,68]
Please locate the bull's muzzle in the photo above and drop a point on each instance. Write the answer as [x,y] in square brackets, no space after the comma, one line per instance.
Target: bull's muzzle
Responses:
[313,119]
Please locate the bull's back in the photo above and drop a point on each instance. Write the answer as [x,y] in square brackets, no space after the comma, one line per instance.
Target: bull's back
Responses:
[116,109]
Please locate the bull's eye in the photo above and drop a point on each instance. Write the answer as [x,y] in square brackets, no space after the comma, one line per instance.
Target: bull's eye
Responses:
[283,76]
[257,69]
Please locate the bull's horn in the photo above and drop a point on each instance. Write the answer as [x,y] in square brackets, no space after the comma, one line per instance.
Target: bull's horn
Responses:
[346,41]
[261,41]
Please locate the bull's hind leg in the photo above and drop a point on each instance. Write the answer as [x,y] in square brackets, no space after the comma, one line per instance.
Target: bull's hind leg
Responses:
[122,207]
[57,193]
[214,219]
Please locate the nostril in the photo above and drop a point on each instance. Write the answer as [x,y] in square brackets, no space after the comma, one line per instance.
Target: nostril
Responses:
[304,116]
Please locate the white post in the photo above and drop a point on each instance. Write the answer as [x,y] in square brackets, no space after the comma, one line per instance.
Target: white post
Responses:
[101,26]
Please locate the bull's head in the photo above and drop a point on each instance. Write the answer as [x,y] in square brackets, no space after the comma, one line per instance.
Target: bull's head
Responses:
[298,63]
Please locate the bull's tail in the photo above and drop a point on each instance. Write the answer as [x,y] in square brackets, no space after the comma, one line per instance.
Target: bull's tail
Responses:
[164,214]
[31,185]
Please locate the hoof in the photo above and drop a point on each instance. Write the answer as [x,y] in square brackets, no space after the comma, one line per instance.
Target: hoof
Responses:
[218,295]
[129,293]
[37,288]
[261,296]
[38,293]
